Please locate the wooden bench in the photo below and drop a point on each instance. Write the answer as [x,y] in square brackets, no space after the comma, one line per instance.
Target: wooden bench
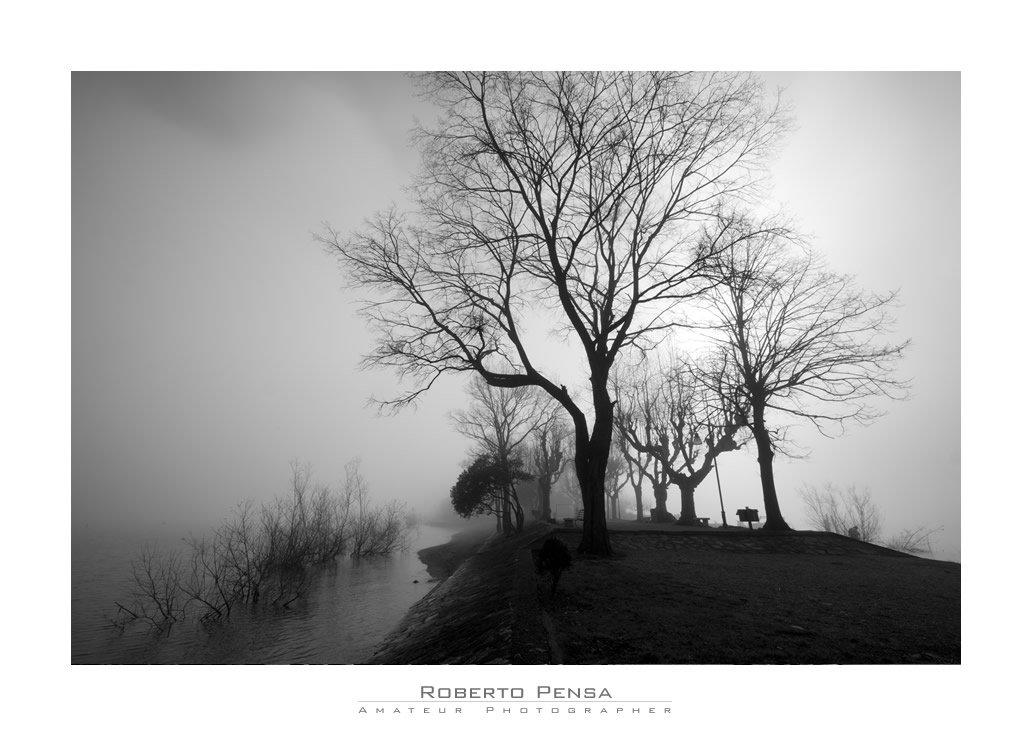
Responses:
[704,520]
[578,520]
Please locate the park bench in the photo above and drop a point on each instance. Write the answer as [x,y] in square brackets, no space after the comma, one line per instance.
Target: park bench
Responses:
[703,520]
[578,520]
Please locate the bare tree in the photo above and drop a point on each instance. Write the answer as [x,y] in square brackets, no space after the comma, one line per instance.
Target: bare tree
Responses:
[155,593]
[573,197]
[853,513]
[912,541]
[549,458]
[634,392]
[261,555]
[682,415]
[641,467]
[848,512]
[567,490]
[618,473]
[804,342]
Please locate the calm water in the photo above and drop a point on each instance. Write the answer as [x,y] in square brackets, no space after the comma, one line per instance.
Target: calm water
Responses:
[349,608]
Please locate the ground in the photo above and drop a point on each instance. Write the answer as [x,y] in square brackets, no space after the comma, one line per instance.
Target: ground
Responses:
[677,605]
[671,595]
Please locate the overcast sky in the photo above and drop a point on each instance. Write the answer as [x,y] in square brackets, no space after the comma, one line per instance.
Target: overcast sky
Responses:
[213,341]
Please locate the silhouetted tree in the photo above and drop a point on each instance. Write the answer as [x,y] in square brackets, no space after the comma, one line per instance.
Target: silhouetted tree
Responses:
[549,458]
[573,196]
[641,467]
[486,486]
[632,390]
[803,341]
[618,474]
[675,415]
[502,422]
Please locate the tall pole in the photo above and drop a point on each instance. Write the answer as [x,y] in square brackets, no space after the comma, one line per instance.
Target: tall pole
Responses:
[720,493]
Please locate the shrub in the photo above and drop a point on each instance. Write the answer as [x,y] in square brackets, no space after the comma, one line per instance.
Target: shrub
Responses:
[261,556]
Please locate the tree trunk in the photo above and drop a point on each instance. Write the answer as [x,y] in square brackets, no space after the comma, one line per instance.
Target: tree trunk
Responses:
[687,484]
[518,509]
[590,460]
[613,511]
[507,513]
[660,492]
[765,457]
[595,537]
[544,498]
[687,487]
[639,511]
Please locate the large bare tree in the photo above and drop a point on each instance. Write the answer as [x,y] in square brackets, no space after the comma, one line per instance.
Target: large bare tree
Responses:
[805,343]
[573,199]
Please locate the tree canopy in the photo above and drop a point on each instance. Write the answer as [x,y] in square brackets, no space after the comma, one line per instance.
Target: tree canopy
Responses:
[483,487]
[582,195]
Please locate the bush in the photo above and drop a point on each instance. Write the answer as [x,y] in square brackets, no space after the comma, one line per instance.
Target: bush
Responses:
[841,511]
[852,513]
[261,556]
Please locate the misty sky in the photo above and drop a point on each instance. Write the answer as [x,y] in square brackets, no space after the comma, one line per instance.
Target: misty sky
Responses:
[213,341]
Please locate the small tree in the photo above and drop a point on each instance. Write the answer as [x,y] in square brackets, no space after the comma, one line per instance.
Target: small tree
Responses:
[912,541]
[549,458]
[502,422]
[848,512]
[486,486]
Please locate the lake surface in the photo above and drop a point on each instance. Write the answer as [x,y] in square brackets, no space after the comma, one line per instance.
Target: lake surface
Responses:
[347,611]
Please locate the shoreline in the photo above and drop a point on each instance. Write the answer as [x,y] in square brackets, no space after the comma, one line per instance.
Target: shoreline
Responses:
[443,560]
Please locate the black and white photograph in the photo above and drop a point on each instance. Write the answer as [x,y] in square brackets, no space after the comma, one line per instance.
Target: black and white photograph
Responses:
[579,368]
[592,391]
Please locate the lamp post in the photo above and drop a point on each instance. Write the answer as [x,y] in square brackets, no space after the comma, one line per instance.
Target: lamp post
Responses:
[720,493]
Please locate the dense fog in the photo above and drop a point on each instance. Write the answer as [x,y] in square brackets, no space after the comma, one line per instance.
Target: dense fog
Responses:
[213,341]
